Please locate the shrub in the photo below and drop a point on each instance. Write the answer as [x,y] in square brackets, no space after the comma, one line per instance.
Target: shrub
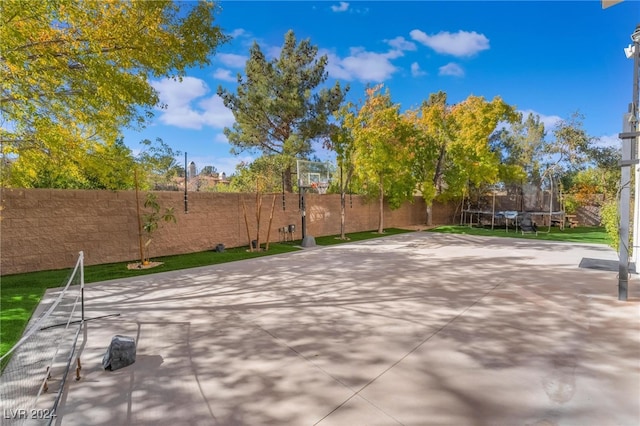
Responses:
[610,219]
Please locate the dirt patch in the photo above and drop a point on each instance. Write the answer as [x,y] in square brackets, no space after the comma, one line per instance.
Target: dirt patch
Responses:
[418,227]
[139,265]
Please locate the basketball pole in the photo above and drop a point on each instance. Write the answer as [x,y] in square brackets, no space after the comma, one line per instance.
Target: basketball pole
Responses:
[303,209]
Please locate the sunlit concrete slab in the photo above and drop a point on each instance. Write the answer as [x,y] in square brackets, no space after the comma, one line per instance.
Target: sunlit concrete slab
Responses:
[418,328]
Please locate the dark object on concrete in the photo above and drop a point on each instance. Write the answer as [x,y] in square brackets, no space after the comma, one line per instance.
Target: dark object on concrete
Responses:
[604,265]
[219,248]
[121,352]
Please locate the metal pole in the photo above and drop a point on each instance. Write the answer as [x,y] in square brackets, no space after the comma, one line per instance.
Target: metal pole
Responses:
[634,127]
[186,181]
[636,211]
[284,201]
[550,199]
[82,283]
[623,209]
[303,211]
[630,134]
[493,213]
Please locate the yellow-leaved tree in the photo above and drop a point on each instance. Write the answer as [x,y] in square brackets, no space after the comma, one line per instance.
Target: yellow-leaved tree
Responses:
[380,154]
[74,73]
[452,147]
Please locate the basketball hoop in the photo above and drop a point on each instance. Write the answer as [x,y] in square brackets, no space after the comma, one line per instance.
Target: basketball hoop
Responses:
[322,187]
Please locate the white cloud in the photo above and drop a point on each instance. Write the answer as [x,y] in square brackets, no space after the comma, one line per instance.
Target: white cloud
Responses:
[215,114]
[458,44]
[400,43]
[237,32]
[272,52]
[228,164]
[362,65]
[220,138]
[224,74]
[416,71]
[342,7]
[606,141]
[549,121]
[452,69]
[187,105]
[232,60]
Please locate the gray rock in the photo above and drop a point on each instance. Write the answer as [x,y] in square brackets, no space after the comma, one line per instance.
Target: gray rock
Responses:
[121,352]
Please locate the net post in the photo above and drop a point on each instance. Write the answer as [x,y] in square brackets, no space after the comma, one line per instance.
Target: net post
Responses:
[81,259]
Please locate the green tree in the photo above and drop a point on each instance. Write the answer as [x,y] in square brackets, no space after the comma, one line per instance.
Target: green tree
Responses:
[73,73]
[209,171]
[435,129]
[158,161]
[571,146]
[522,145]
[278,107]
[381,154]
[101,166]
[342,143]
[150,221]
[451,147]
[264,174]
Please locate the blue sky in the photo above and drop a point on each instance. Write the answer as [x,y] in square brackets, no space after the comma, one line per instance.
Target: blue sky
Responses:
[547,57]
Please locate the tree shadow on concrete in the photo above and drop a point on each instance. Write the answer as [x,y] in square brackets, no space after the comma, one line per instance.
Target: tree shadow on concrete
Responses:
[291,339]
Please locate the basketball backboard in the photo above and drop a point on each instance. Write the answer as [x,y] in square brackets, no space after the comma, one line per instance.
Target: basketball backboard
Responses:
[313,175]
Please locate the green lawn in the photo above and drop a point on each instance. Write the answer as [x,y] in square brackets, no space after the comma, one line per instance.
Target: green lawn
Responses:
[358,236]
[21,293]
[595,235]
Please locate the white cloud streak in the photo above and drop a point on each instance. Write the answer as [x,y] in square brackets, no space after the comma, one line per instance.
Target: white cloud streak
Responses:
[232,60]
[607,141]
[342,7]
[549,121]
[416,71]
[237,32]
[400,43]
[460,44]
[451,69]
[189,107]
[224,75]
[362,65]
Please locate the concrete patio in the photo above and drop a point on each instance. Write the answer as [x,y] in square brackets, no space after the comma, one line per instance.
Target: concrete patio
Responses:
[414,329]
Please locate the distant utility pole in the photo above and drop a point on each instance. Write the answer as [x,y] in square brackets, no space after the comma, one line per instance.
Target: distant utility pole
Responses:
[186,182]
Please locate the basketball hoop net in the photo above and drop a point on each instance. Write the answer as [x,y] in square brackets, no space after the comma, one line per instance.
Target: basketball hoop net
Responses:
[321,187]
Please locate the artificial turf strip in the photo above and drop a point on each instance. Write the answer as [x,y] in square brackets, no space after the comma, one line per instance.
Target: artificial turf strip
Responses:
[358,236]
[590,235]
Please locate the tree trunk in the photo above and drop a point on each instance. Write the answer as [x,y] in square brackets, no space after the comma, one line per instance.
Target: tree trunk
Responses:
[138,215]
[342,206]
[273,207]
[343,199]
[429,218]
[246,223]
[344,184]
[258,214]
[381,211]
[288,180]
[437,176]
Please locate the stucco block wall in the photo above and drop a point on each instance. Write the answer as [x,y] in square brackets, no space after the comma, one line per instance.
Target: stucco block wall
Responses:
[44,229]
